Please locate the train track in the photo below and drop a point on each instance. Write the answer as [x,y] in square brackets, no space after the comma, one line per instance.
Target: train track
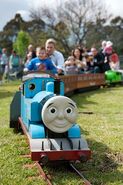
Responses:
[48,178]
[86,182]
[42,173]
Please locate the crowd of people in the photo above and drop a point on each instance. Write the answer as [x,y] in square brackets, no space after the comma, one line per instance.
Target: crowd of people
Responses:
[11,64]
[48,58]
[83,60]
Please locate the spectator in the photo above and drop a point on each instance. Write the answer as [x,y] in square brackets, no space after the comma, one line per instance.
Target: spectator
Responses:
[30,50]
[14,62]
[29,57]
[3,60]
[0,65]
[41,62]
[56,56]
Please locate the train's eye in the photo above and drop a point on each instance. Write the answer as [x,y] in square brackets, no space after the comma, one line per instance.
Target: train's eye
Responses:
[69,110]
[32,86]
[52,110]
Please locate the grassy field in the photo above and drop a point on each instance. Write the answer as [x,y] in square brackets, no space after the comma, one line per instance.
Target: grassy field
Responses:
[103,129]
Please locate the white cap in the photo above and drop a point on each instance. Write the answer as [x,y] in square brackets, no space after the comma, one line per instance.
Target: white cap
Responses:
[104,43]
[109,43]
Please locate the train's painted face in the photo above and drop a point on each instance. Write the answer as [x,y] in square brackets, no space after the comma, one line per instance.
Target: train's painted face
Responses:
[59,114]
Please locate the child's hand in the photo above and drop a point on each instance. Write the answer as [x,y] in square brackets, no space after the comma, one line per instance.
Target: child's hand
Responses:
[41,67]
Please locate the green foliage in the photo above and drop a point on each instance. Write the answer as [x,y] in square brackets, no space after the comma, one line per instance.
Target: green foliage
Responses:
[22,41]
[73,23]
[39,38]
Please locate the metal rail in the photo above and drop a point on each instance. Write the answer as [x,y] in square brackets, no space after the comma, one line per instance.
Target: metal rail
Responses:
[86,182]
[43,174]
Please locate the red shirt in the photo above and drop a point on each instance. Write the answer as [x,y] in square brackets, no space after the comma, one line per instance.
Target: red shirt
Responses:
[114,58]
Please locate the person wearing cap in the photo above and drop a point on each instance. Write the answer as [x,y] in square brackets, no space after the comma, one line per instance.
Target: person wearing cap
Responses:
[108,48]
[56,56]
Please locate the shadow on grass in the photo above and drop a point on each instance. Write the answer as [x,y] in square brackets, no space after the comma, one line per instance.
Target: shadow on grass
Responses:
[102,169]
[82,99]
[104,164]
[5,94]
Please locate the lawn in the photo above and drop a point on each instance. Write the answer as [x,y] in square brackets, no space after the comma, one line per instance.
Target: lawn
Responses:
[101,120]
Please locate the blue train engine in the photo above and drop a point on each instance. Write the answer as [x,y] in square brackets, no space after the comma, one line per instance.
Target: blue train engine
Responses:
[48,118]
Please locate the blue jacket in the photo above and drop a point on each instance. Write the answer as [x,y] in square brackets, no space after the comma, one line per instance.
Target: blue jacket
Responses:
[36,63]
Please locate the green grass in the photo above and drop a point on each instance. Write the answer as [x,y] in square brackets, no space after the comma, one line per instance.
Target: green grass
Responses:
[103,130]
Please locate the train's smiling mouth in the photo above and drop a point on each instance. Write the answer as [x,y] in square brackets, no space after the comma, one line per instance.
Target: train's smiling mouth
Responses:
[60,124]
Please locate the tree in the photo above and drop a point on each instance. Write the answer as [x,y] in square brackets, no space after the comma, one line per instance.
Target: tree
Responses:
[116,33]
[22,41]
[15,24]
[117,21]
[34,28]
[68,22]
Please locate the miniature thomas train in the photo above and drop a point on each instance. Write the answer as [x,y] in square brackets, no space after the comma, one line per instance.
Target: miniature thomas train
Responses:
[48,118]
[113,77]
